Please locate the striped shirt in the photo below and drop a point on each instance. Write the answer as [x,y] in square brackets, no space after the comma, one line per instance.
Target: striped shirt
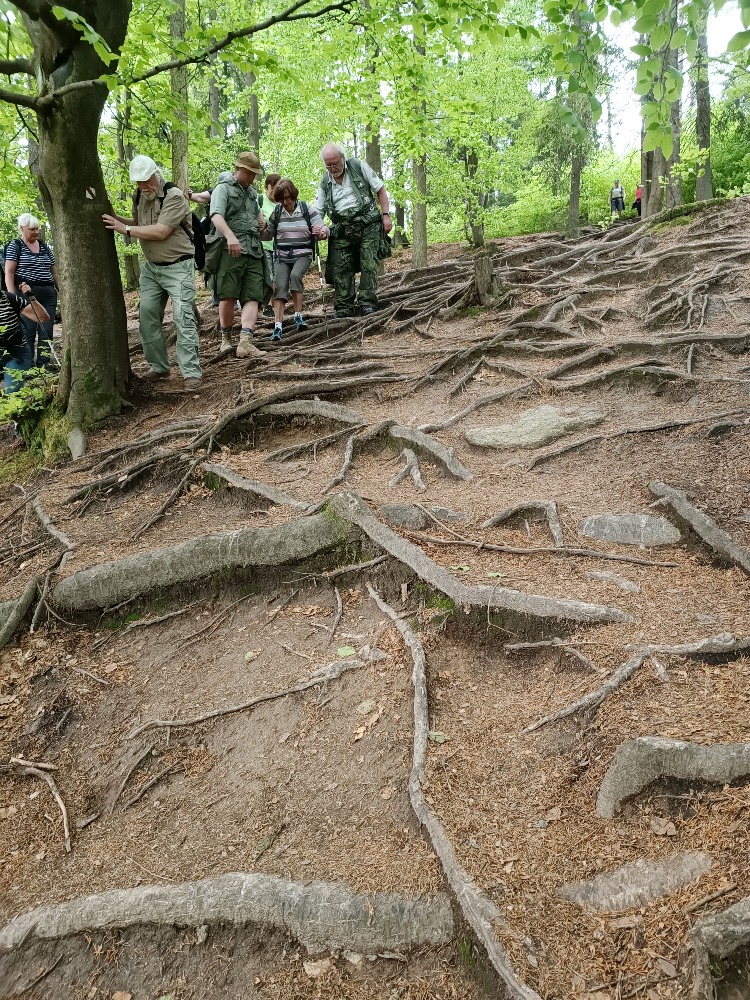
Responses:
[293,238]
[11,334]
[36,268]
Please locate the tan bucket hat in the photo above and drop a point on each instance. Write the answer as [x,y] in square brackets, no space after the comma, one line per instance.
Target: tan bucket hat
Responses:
[249,161]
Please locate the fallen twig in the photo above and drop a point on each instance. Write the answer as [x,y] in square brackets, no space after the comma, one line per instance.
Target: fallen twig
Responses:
[322,675]
[42,771]
[170,769]
[337,616]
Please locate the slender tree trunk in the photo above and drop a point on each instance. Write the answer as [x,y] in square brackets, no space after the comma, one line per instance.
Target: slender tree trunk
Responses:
[673,191]
[419,213]
[704,188]
[474,201]
[179,86]
[400,239]
[124,155]
[373,156]
[574,205]
[253,124]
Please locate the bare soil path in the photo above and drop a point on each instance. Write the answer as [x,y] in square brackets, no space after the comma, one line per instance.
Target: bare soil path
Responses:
[638,339]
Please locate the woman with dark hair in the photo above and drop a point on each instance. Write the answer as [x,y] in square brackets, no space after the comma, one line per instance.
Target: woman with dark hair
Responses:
[294,228]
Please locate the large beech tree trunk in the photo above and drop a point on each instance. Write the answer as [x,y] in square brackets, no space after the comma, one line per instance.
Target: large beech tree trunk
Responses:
[419,213]
[96,366]
[704,188]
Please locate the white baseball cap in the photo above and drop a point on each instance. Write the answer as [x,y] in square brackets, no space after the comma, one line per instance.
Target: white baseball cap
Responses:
[142,168]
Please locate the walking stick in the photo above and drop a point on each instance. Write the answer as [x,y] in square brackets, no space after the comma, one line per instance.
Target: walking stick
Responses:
[50,344]
[322,289]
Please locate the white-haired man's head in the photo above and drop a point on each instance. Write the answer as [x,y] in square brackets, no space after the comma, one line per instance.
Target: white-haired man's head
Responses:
[333,156]
[27,224]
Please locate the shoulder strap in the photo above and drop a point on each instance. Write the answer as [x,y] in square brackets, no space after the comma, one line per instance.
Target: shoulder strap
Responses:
[276,214]
[306,214]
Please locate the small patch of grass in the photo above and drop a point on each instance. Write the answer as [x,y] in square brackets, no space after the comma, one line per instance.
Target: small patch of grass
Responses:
[113,624]
[18,467]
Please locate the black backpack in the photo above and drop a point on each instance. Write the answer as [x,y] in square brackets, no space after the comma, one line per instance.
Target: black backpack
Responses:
[198,235]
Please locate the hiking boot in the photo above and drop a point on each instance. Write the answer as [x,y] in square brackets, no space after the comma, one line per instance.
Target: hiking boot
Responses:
[367,310]
[246,348]
[226,343]
[342,314]
[193,383]
[299,322]
[154,376]
[277,332]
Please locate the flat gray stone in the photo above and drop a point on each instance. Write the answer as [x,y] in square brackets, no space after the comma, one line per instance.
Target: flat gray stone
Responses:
[536,427]
[446,514]
[403,515]
[619,581]
[630,529]
[637,883]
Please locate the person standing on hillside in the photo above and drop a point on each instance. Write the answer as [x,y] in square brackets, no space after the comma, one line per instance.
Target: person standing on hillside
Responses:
[235,211]
[638,197]
[28,259]
[617,199]
[267,206]
[162,223]
[355,199]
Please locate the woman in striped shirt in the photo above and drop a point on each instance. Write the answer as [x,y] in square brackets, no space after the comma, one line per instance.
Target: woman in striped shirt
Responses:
[28,259]
[294,245]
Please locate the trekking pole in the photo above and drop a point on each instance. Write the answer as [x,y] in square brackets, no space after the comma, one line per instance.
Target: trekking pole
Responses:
[322,289]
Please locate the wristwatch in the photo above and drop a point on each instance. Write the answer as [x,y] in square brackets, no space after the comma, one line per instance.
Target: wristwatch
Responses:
[127,230]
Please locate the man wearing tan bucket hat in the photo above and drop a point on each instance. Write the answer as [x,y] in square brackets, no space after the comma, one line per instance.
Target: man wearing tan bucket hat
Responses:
[240,272]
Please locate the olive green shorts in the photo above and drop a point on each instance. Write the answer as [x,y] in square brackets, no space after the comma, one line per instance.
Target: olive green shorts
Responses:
[240,278]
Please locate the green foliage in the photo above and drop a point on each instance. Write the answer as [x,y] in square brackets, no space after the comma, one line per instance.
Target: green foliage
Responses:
[28,404]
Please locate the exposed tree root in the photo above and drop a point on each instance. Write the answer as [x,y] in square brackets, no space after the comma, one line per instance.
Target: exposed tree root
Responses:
[320,408]
[721,643]
[666,425]
[706,528]
[639,762]
[356,441]
[480,912]
[431,449]
[557,550]
[547,507]
[352,508]
[283,454]
[111,583]
[176,492]
[50,528]
[320,915]
[519,391]
[330,672]
[18,611]
[715,939]
[252,486]
[411,468]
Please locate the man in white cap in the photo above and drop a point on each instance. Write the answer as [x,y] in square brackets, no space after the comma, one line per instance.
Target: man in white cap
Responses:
[162,222]
[241,274]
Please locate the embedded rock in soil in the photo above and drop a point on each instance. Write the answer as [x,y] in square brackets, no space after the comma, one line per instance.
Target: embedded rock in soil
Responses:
[720,945]
[619,581]
[637,883]
[630,529]
[536,427]
[446,514]
[320,915]
[76,443]
[403,515]
[639,762]
[722,427]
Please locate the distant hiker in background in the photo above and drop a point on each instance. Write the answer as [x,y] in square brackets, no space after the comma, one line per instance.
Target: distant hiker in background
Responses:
[15,353]
[295,228]
[162,223]
[204,198]
[617,199]
[240,272]
[267,206]
[638,195]
[29,259]
[355,199]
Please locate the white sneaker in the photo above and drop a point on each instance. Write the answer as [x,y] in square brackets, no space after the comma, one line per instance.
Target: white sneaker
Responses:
[247,349]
